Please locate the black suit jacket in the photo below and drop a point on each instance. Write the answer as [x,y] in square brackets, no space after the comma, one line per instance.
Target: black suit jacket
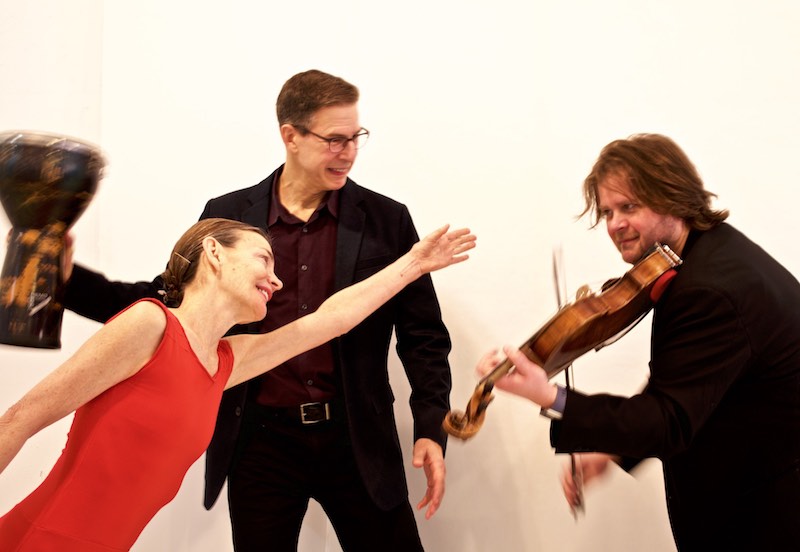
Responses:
[722,406]
[373,231]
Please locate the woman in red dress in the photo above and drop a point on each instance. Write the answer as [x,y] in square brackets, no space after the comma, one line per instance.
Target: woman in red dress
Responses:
[145,389]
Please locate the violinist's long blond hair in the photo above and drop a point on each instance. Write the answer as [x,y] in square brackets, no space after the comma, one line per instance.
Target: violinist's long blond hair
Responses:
[660,175]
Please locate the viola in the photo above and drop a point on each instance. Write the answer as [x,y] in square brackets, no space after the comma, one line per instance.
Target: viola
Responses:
[592,321]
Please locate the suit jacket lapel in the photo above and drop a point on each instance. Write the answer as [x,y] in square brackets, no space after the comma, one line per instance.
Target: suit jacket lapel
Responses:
[257,210]
[349,234]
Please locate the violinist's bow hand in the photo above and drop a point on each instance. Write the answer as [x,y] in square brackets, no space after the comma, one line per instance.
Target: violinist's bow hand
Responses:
[576,504]
[584,468]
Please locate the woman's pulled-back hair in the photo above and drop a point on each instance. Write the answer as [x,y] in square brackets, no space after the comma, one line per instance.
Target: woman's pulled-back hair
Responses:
[183,263]
[660,175]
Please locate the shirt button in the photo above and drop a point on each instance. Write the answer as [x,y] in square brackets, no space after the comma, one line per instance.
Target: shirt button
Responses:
[310,382]
[303,307]
[238,411]
[305,230]
[304,267]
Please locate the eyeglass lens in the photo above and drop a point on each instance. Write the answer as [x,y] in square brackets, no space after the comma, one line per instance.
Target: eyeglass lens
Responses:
[338,144]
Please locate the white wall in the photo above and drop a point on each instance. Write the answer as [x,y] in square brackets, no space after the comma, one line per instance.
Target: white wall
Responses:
[487,114]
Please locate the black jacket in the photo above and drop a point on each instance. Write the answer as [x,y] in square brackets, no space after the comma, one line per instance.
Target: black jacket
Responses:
[722,405]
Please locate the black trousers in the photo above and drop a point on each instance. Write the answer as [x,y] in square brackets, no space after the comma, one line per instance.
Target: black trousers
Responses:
[282,465]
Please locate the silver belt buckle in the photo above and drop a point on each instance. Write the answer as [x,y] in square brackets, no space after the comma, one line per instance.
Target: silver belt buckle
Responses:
[305,421]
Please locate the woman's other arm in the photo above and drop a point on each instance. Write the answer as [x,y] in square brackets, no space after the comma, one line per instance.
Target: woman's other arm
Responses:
[116,352]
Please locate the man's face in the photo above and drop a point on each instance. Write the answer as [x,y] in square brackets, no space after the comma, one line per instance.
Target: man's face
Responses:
[321,168]
[632,226]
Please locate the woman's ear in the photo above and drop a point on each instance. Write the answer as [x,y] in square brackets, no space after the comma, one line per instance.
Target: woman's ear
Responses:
[211,251]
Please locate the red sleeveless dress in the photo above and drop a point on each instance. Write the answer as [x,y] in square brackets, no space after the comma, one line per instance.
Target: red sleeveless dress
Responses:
[126,455]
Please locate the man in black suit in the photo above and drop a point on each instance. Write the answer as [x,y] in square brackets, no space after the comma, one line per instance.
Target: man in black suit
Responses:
[722,405]
[322,425]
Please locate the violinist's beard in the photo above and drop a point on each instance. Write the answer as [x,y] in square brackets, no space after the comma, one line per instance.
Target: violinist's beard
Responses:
[630,247]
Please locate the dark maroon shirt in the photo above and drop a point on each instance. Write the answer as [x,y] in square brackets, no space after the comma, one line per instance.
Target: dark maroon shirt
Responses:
[305,257]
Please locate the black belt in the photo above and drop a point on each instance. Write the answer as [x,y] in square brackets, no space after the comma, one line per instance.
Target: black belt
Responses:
[304,414]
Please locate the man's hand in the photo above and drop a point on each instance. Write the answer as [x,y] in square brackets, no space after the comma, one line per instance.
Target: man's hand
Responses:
[428,455]
[527,379]
[590,466]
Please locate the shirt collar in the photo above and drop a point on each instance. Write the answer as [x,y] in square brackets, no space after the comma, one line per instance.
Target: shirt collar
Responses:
[278,211]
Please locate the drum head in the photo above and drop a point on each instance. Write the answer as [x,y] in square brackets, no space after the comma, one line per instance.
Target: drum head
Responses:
[46,178]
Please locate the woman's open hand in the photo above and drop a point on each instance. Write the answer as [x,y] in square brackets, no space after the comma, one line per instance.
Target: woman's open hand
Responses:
[441,248]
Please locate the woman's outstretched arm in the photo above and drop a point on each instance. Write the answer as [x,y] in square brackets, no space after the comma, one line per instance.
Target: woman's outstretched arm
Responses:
[345,309]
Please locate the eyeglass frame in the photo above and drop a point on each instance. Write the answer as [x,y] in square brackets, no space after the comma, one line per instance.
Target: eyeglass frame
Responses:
[342,139]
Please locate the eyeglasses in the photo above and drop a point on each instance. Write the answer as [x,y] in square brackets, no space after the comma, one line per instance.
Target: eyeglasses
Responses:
[338,143]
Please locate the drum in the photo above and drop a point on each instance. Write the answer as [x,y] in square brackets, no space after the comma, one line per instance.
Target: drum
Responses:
[46,183]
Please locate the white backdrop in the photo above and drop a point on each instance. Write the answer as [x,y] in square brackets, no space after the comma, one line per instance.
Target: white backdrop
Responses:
[486,114]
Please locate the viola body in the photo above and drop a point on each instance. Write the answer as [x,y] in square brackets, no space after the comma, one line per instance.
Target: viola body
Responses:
[593,320]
